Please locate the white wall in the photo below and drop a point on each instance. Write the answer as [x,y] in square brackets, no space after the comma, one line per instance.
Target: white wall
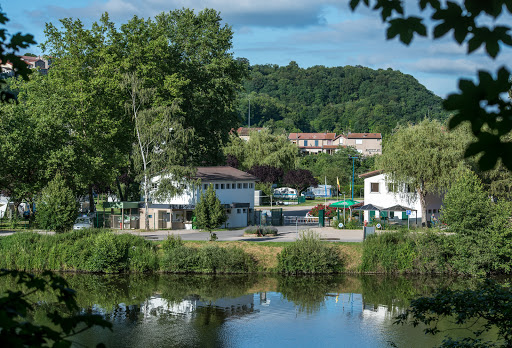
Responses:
[237,217]
[244,194]
[385,199]
[237,195]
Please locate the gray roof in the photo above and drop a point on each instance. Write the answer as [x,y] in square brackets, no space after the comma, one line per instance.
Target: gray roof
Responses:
[369,207]
[398,208]
[223,174]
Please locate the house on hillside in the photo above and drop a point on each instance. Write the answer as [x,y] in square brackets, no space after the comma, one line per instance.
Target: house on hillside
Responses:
[233,187]
[368,144]
[245,133]
[380,192]
[39,63]
[314,143]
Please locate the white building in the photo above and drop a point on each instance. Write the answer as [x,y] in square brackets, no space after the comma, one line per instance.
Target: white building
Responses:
[233,187]
[382,193]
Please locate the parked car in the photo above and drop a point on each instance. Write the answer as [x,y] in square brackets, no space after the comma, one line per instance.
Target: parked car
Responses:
[82,222]
[308,195]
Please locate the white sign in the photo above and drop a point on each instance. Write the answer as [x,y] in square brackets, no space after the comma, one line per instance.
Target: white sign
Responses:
[408,212]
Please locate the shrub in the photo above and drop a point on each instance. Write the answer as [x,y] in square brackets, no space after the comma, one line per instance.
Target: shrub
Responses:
[209,259]
[262,230]
[85,250]
[388,252]
[329,211]
[309,255]
[57,206]
[350,224]
[172,241]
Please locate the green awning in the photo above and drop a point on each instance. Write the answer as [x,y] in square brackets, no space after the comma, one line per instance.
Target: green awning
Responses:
[344,204]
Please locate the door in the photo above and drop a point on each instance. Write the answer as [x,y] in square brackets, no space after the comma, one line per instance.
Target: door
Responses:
[161,219]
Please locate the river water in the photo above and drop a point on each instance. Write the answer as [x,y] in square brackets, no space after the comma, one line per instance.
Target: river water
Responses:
[253,311]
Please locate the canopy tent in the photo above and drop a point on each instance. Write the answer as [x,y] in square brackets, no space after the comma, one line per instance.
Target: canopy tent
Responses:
[344,204]
[369,207]
[401,208]
[398,207]
[348,203]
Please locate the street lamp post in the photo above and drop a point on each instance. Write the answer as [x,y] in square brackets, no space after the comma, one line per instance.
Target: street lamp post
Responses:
[353,174]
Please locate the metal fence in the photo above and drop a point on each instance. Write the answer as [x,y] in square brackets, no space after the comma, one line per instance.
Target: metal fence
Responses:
[271,217]
[305,221]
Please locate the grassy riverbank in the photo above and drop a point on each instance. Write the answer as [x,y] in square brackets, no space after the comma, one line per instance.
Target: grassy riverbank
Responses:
[108,252]
[103,251]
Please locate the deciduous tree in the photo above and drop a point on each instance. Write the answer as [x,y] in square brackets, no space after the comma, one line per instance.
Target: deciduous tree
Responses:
[479,103]
[263,148]
[299,179]
[425,156]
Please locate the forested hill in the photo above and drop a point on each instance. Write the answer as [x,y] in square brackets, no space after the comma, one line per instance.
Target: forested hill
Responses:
[339,99]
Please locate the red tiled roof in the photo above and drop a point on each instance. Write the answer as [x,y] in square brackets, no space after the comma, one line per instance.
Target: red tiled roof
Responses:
[247,131]
[308,136]
[364,136]
[370,174]
[223,173]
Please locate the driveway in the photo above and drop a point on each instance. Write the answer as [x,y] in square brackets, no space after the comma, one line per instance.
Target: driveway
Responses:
[285,234]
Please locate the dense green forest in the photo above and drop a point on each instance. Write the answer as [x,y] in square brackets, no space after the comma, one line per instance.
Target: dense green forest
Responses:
[338,99]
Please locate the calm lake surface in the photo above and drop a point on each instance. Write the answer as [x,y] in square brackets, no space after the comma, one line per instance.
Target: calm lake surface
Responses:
[252,311]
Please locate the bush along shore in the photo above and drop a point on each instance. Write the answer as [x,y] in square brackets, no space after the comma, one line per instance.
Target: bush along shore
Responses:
[104,251]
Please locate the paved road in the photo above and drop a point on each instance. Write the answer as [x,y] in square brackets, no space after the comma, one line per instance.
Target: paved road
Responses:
[285,234]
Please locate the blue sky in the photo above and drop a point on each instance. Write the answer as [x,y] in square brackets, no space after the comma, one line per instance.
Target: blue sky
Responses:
[310,32]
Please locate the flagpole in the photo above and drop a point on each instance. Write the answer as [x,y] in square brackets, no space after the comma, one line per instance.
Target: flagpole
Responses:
[325,200]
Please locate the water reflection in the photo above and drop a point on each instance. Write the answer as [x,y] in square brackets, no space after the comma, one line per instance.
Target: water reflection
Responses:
[249,311]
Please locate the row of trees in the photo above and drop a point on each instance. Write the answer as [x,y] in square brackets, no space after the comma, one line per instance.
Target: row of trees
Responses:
[340,99]
[429,158]
[150,96]
[275,160]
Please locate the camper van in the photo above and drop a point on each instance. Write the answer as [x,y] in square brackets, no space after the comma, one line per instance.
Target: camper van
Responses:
[285,193]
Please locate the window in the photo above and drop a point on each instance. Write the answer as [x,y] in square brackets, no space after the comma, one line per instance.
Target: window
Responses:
[359,141]
[216,186]
[228,211]
[305,143]
[239,185]
[434,211]
[391,187]
[374,187]
[233,186]
[228,186]
[430,211]
[238,211]
[245,210]
[246,185]
[250,185]
[316,142]
[222,186]
[205,187]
